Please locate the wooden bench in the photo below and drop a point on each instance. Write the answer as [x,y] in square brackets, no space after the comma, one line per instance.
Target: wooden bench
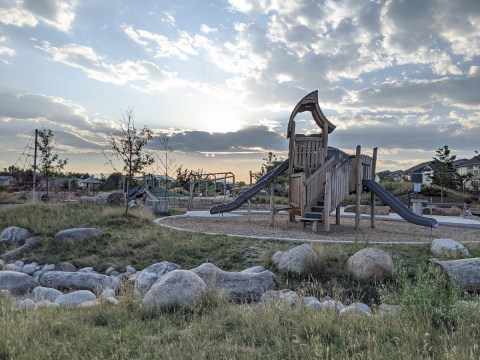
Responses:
[313,221]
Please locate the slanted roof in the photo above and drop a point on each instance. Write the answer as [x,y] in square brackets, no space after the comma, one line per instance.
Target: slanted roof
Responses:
[310,103]
[469,162]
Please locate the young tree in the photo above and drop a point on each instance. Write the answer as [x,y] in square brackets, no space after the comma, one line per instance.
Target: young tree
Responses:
[166,160]
[444,173]
[127,146]
[49,162]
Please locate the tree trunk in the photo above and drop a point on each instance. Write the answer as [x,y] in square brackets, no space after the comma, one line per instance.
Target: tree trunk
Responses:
[462,273]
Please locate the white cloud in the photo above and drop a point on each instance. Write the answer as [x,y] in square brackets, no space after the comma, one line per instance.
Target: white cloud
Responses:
[168,19]
[97,67]
[56,13]
[182,48]
[4,50]
[207,29]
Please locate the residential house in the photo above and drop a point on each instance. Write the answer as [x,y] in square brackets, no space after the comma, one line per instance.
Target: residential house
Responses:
[420,174]
[471,166]
[6,180]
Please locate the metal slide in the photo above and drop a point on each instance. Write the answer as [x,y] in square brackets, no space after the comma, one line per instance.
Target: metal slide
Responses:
[251,191]
[397,206]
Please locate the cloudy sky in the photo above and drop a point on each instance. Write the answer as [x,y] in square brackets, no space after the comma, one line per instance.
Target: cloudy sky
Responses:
[222,77]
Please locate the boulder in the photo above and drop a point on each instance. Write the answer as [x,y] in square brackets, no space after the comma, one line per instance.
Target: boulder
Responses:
[357,308]
[181,287]
[295,260]
[28,269]
[351,209]
[14,234]
[254,269]
[75,298]
[370,263]
[17,283]
[2,264]
[283,297]
[65,266]
[312,301]
[44,293]
[448,248]
[333,305]
[147,277]
[69,236]
[98,199]
[237,286]
[79,281]
[379,210]
[30,243]
[26,304]
[116,198]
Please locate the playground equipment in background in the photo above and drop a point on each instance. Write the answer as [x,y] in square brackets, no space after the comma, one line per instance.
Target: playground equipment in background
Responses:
[321,177]
[206,178]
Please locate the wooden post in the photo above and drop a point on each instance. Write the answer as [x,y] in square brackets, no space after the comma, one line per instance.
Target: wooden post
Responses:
[190,198]
[327,201]
[372,195]
[272,204]
[358,186]
[337,215]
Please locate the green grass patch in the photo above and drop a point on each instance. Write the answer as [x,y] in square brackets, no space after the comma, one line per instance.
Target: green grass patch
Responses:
[431,325]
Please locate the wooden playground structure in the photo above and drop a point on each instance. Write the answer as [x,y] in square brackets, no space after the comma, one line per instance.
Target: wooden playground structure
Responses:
[320,178]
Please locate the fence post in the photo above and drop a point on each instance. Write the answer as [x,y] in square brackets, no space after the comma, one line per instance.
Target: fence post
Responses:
[372,195]
[358,186]
[327,201]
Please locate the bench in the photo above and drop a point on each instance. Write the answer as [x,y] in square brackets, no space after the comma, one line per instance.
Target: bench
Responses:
[311,220]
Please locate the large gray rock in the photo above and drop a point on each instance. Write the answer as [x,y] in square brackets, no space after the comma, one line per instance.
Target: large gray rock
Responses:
[448,248]
[237,286]
[26,304]
[17,283]
[79,281]
[14,234]
[147,277]
[75,298]
[295,260]
[44,293]
[283,297]
[370,263]
[69,236]
[65,266]
[357,309]
[30,243]
[181,287]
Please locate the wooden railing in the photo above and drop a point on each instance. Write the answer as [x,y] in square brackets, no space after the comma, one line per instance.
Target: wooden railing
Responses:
[315,184]
[340,187]
[309,153]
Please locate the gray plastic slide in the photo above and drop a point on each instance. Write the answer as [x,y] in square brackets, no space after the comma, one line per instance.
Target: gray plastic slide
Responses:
[251,191]
[397,206]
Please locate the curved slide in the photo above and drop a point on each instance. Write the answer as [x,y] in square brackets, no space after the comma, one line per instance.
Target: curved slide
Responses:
[397,206]
[251,191]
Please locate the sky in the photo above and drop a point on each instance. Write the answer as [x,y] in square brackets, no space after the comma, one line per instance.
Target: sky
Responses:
[222,77]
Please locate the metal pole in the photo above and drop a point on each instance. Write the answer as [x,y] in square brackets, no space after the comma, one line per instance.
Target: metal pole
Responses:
[35,167]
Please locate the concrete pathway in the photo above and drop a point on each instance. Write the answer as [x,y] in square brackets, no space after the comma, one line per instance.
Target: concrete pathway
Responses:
[442,220]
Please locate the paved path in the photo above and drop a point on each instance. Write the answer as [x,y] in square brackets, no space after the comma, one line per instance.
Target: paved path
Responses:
[443,220]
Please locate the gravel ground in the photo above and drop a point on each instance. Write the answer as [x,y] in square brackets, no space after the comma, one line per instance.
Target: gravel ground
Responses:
[385,231]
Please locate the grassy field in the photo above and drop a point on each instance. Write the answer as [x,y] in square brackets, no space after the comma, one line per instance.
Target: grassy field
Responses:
[432,325]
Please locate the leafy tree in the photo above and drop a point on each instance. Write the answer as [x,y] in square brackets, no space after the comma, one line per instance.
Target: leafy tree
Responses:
[183,177]
[113,181]
[270,162]
[127,146]
[444,173]
[49,162]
